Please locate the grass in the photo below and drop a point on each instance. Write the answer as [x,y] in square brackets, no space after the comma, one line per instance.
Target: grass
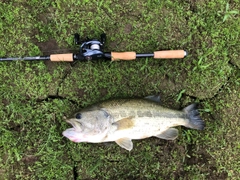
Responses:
[36,96]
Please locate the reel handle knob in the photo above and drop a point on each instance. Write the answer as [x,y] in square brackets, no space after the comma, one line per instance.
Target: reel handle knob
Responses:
[77,39]
[103,38]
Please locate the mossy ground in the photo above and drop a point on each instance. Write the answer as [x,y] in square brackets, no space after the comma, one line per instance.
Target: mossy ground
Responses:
[35,96]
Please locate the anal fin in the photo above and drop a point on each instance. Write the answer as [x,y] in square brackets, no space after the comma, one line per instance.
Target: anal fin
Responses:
[125,143]
[169,134]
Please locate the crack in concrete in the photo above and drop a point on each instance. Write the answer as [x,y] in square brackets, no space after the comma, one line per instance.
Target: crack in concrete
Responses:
[67,73]
[224,84]
[75,173]
[51,97]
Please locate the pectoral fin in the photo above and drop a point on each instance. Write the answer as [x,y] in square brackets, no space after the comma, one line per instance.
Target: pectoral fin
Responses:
[169,134]
[125,143]
[124,123]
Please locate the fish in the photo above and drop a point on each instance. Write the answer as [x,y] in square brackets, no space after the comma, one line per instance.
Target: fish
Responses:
[124,120]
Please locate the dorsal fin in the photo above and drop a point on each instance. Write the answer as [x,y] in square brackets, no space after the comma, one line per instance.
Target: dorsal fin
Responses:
[154,98]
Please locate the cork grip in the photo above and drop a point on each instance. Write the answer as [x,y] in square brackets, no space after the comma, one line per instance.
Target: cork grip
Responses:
[169,54]
[123,56]
[62,57]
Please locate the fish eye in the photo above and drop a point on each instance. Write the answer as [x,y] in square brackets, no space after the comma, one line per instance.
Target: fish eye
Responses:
[78,116]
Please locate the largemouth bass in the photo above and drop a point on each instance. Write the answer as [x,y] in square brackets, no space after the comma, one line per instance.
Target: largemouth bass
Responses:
[123,120]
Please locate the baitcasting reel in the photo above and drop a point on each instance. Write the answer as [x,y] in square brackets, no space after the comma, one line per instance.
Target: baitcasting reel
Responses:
[90,49]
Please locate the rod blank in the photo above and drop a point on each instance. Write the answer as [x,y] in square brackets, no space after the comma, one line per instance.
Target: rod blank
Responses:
[39,58]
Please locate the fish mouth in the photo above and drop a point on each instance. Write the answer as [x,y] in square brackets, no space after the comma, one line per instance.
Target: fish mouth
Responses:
[71,134]
[74,139]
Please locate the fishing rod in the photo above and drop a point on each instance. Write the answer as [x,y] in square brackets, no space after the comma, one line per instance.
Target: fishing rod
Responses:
[92,49]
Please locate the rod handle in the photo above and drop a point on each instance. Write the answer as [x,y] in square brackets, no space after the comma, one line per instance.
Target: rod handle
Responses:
[169,54]
[116,56]
[61,57]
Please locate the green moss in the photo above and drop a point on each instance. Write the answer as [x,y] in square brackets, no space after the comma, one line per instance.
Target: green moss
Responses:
[226,117]
[35,96]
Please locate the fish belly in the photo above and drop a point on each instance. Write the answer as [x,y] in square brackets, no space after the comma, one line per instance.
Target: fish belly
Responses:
[145,127]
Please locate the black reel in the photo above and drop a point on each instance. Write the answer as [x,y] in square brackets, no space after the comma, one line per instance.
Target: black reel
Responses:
[90,49]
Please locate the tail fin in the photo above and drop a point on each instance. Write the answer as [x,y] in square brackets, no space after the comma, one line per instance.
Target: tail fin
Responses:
[195,121]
